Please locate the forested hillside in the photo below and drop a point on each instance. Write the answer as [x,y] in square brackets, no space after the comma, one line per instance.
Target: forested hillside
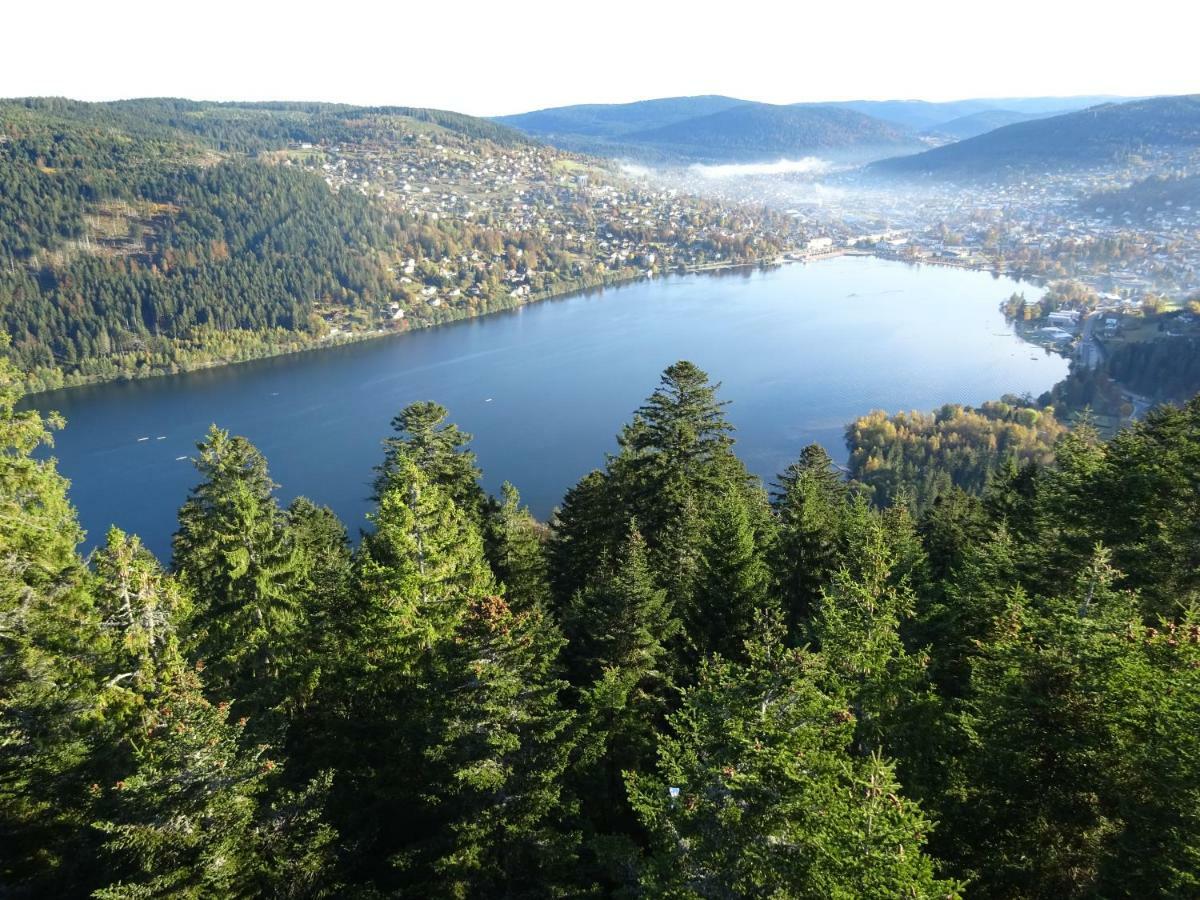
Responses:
[157,235]
[763,131]
[685,686]
[1105,134]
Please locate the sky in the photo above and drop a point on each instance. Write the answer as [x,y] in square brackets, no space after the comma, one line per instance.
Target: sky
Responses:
[509,56]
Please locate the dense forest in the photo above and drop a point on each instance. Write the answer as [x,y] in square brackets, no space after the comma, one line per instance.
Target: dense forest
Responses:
[152,236]
[685,685]
[919,457]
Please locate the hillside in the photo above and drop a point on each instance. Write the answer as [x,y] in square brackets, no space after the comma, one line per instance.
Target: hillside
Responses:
[715,128]
[979,123]
[1150,197]
[612,120]
[154,236]
[1095,136]
[757,131]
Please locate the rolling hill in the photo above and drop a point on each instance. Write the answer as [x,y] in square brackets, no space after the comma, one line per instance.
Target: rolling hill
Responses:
[612,120]
[1101,134]
[715,128]
[980,123]
[926,116]
[759,131]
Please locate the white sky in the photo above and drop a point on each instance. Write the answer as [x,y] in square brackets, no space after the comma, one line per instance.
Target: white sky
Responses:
[513,55]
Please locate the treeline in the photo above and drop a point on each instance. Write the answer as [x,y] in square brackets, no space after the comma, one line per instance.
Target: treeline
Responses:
[918,457]
[252,248]
[686,686]
[157,235]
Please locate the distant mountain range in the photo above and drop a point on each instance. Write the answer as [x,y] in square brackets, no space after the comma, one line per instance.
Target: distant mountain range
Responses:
[926,116]
[716,128]
[1111,132]
[980,123]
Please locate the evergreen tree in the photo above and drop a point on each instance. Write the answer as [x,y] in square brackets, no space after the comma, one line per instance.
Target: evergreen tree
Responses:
[618,630]
[757,794]
[424,561]
[732,586]
[809,503]
[515,548]
[190,814]
[857,626]
[417,574]
[234,554]
[439,448]
[50,637]
[585,532]
[193,819]
[500,754]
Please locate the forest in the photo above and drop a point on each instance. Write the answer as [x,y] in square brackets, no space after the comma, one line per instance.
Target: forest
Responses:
[687,684]
[154,236]
[915,458]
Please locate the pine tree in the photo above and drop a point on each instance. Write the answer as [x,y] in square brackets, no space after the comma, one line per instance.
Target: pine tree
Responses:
[732,585]
[809,502]
[440,450]
[516,551]
[758,795]
[500,755]
[233,552]
[50,636]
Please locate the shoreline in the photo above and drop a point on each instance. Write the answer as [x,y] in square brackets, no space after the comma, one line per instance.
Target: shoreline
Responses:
[349,339]
[786,258]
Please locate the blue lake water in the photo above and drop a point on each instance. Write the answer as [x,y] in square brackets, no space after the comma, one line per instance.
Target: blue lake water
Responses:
[801,351]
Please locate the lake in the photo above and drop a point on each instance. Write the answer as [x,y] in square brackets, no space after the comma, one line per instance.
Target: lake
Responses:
[801,350]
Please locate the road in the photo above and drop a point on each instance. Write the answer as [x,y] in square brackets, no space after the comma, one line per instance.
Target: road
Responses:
[1091,354]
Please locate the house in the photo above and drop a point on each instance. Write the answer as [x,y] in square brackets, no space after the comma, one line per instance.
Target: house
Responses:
[1064,318]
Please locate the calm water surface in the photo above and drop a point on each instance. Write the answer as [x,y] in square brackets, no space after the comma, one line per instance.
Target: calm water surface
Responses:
[801,350]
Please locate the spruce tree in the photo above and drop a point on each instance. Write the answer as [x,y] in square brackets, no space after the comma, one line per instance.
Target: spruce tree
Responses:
[182,796]
[585,532]
[417,574]
[439,448]
[498,758]
[809,502]
[757,793]
[233,552]
[50,641]
[857,627]
[732,586]
[619,629]
[516,550]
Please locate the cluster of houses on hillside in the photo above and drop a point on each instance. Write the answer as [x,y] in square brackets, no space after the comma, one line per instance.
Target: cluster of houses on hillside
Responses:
[588,221]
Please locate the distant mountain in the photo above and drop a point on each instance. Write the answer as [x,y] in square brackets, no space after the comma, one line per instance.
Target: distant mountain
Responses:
[980,123]
[759,131]
[714,129]
[917,115]
[612,120]
[926,116]
[1089,137]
